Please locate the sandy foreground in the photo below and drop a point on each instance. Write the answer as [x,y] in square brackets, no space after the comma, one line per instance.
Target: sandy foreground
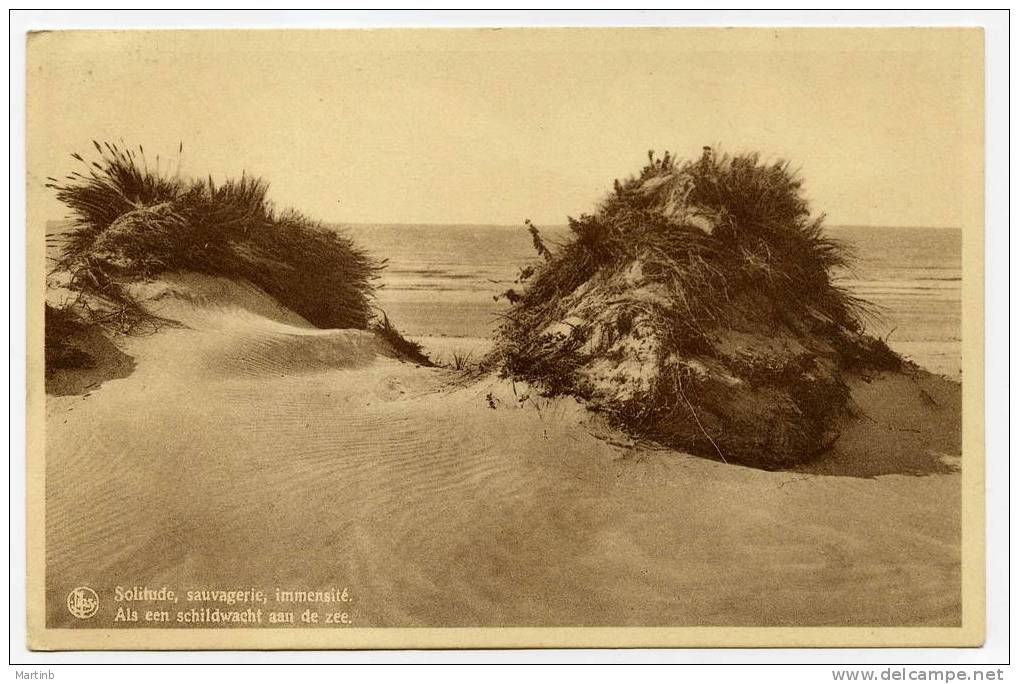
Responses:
[248,449]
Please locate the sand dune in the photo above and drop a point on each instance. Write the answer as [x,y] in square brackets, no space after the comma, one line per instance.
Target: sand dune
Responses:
[247,448]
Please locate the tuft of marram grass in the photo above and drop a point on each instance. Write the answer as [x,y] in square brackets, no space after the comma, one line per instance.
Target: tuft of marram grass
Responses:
[461,360]
[136,220]
[407,349]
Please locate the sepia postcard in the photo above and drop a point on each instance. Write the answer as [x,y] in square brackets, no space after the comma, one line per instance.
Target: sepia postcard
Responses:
[464,338]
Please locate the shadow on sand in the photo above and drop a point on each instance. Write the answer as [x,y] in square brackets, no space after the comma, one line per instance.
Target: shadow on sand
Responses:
[79,356]
[904,424]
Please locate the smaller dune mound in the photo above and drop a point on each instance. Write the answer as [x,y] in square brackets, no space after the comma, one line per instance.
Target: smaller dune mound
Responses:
[132,220]
[697,307]
[134,223]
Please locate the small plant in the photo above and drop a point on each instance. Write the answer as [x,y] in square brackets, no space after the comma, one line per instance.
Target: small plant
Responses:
[539,243]
[461,360]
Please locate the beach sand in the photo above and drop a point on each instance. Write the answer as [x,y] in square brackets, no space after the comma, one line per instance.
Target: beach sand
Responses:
[248,449]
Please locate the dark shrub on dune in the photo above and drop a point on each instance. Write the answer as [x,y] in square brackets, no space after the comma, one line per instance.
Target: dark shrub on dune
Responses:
[131,221]
[696,306]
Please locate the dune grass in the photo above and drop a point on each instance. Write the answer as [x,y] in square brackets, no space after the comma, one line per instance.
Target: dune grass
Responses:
[720,234]
[709,230]
[136,220]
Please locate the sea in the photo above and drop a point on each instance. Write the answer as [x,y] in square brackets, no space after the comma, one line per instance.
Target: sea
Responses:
[444,281]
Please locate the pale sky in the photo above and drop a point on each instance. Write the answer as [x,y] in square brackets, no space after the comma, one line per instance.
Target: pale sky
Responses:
[498,126]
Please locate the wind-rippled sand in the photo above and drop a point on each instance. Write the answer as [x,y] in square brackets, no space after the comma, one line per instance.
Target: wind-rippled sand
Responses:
[251,450]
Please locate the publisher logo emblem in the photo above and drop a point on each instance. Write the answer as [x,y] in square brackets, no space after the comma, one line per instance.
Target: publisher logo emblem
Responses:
[82,603]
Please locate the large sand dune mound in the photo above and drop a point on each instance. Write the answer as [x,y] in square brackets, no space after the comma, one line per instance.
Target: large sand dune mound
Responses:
[697,306]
